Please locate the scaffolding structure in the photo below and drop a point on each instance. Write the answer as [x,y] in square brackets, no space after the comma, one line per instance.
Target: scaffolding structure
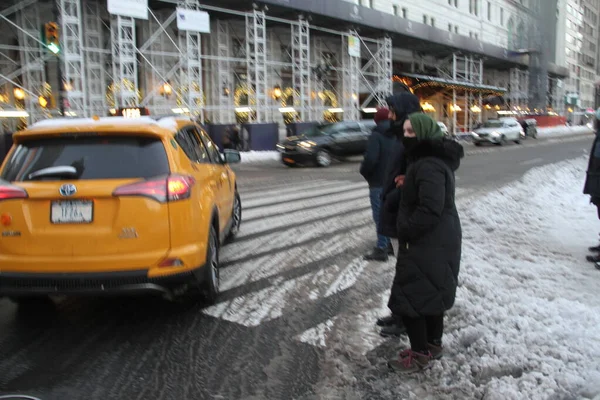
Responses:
[32,54]
[302,70]
[123,62]
[74,90]
[95,59]
[468,70]
[256,58]
[518,89]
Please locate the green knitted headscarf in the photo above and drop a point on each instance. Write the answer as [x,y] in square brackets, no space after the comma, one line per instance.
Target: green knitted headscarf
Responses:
[425,127]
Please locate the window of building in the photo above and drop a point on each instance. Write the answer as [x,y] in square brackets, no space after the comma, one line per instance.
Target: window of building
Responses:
[456,3]
[489,11]
[450,27]
[370,3]
[432,21]
[449,2]
[404,13]
[425,19]
[476,7]
[395,10]
[502,16]
[456,29]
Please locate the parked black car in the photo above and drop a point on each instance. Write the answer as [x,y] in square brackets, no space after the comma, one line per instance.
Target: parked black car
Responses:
[322,143]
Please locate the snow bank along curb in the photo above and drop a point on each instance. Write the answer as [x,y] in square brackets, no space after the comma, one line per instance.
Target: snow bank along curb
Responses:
[525,323]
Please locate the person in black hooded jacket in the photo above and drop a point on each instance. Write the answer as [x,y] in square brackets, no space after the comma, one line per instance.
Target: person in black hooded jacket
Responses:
[400,105]
[376,159]
[592,184]
[430,241]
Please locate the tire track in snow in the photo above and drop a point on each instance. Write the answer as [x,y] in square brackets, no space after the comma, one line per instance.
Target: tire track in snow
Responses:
[269,303]
[287,188]
[284,209]
[261,202]
[303,216]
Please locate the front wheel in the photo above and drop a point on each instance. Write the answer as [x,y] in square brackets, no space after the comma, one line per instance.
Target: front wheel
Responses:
[323,158]
[236,218]
[211,268]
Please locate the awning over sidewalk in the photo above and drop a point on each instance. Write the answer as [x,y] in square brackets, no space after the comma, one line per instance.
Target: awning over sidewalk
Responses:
[416,82]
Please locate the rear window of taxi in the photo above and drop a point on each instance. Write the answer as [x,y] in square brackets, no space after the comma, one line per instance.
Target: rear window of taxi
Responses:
[97,157]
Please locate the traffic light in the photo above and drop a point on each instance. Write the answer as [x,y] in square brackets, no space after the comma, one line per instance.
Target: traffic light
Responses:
[51,37]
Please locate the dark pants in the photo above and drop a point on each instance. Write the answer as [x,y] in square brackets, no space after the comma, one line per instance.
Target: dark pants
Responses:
[375,196]
[424,330]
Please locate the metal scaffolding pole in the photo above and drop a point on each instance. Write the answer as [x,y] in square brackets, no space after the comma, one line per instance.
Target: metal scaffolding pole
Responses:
[256,61]
[124,62]
[73,66]
[317,81]
[385,71]
[223,85]
[191,74]
[32,59]
[351,80]
[94,60]
[162,86]
[301,69]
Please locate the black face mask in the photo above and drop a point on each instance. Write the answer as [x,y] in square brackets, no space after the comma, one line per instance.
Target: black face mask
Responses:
[409,142]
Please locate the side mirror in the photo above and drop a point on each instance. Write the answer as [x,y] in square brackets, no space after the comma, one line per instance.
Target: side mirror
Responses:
[232,156]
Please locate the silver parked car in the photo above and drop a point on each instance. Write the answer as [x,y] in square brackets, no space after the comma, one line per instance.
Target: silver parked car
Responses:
[499,131]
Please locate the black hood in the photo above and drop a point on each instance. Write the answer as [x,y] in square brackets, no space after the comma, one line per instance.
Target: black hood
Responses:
[403,105]
[447,150]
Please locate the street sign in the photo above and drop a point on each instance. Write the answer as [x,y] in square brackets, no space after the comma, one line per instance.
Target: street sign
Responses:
[129,8]
[192,20]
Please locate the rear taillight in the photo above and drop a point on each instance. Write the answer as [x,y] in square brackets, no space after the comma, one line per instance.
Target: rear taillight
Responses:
[172,188]
[10,192]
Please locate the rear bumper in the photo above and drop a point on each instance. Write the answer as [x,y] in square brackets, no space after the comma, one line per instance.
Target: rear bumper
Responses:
[96,284]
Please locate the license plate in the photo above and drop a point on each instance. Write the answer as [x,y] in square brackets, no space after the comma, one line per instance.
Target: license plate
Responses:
[72,212]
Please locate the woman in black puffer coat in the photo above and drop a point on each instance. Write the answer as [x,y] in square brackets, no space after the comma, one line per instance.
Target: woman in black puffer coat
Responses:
[430,239]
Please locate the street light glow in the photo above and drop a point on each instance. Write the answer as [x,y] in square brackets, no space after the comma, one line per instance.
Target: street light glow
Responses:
[53,48]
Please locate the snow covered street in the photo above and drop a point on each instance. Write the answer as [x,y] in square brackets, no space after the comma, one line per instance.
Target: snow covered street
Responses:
[298,305]
[527,317]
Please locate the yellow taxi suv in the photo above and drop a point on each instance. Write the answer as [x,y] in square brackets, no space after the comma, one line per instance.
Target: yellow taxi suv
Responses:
[115,206]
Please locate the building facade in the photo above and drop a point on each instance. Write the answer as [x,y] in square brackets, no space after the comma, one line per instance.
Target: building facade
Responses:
[277,61]
[579,51]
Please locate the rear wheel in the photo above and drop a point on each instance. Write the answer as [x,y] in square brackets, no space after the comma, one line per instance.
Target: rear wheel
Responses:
[211,268]
[478,144]
[236,218]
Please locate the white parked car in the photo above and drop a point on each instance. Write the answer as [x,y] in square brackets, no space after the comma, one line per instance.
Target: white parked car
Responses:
[499,131]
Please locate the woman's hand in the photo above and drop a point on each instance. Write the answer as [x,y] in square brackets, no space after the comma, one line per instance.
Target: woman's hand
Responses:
[399,181]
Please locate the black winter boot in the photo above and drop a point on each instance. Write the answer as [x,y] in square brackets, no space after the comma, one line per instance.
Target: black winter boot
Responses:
[387,321]
[394,330]
[377,255]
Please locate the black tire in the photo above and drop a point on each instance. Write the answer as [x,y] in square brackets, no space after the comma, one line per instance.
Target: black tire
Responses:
[211,268]
[236,216]
[323,158]
[502,141]
[478,144]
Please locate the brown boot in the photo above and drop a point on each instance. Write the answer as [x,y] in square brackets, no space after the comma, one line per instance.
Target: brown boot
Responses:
[437,352]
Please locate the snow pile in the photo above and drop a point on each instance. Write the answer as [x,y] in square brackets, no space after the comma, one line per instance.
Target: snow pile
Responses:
[260,156]
[526,323]
[555,131]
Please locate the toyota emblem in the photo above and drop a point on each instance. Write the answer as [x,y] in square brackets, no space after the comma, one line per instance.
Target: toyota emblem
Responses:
[67,190]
